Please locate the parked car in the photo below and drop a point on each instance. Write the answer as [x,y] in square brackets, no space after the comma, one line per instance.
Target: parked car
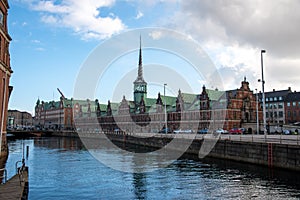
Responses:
[203,131]
[183,131]
[221,131]
[165,130]
[236,131]
[187,131]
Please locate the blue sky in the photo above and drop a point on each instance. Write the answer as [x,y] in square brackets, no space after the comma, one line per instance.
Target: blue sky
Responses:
[53,38]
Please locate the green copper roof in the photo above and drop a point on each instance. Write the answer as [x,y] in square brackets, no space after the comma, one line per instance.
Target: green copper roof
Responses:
[189,98]
[214,95]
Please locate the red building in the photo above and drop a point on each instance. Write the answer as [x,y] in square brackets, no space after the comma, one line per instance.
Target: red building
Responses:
[292,107]
[54,115]
[5,74]
[209,109]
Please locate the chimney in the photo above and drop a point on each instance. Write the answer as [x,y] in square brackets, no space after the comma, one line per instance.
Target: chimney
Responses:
[289,89]
[273,90]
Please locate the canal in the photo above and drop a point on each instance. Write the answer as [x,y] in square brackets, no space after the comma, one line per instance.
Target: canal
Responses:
[61,168]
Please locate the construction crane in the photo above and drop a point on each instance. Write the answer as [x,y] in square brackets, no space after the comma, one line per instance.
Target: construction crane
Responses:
[62,95]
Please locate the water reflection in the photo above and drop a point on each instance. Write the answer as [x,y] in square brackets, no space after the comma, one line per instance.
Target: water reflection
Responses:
[61,168]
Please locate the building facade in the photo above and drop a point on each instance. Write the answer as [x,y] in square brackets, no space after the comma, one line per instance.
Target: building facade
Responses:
[18,120]
[292,107]
[275,109]
[54,115]
[5,74]
[209,109]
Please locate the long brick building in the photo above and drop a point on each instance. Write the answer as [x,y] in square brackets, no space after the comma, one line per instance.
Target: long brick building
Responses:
[208,109]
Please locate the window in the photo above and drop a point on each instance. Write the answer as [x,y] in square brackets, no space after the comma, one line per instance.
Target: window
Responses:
[280,98]
[1,18]
[275,98]
[267,99]
[294,103]
[288,104]
[295,113]
[267,114]
[280,114]
[280,105]
[289,113]
[271,99]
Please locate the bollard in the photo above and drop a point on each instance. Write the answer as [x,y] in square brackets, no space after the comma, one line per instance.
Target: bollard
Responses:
[27,152]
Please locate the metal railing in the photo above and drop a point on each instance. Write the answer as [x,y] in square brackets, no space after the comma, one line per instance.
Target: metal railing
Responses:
[4,176]
[278,138]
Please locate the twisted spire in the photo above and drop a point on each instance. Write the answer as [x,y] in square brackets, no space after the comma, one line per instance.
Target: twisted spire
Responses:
[140,69]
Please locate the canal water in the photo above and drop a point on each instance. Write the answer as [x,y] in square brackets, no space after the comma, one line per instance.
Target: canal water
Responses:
[61,168]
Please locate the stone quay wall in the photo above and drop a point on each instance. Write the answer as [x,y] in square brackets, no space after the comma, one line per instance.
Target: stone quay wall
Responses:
[276,155]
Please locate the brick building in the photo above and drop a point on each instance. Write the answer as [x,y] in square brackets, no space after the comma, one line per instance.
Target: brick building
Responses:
[55,115]
[292,107]
[208,109]
[18,120]
[5,74]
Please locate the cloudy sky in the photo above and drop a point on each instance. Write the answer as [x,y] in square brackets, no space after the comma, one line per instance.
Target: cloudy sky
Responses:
[52,38]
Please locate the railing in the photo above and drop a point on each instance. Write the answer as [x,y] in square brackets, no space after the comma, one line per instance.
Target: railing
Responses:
[20,170]
[279,139]
[4,176]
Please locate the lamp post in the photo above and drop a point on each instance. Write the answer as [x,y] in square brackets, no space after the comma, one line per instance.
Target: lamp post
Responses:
[257,121]
[263,91]
[166,124]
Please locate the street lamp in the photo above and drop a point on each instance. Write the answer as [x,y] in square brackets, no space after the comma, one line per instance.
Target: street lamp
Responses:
[257,122]
[166,124]
[263,91]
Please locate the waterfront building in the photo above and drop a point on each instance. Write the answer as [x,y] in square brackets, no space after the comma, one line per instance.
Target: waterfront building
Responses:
[18,120]
[292,107]
[54,115]
[5,74]
[210,108]
[275,106]
[221,109]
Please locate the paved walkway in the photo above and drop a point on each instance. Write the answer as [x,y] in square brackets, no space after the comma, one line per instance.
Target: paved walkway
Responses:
[15,187]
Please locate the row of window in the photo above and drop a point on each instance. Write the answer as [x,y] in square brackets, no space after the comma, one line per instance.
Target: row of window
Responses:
[273,99]
[274,105]
[293,113]
[274,114]
[294,103]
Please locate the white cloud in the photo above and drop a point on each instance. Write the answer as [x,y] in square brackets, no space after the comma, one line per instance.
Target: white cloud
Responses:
[156,35]
[36,41]
[40,49]
[139,15]
[234,32]
[81,16]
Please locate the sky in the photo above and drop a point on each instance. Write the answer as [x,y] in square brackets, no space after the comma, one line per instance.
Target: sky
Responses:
[52,39]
